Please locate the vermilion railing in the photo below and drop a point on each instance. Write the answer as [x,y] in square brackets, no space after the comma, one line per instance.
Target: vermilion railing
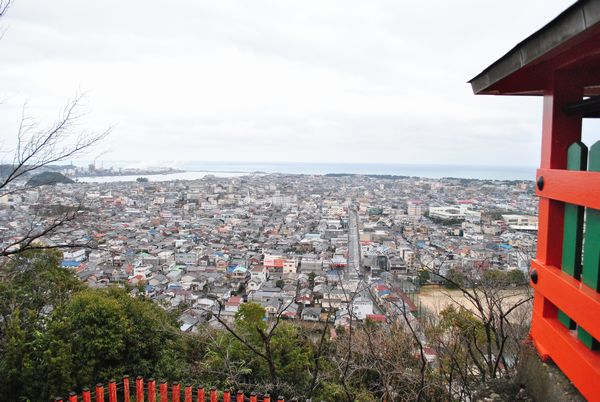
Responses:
[149,391]
[565,275]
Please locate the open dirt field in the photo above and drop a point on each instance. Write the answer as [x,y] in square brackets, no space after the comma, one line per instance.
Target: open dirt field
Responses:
[436,298]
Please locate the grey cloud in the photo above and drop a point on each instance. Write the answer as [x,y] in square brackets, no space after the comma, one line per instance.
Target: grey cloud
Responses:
[380,81]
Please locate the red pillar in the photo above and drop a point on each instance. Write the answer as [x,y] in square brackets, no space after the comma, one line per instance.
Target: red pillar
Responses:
[253,397]
[139,389]
[175,392]
[201,394]
[151,390]
[559,131]
[213,394]
[164,391]
[99,393]
[112,391]
[240,397]
[188,393]
[226,396]
[72,397]
[267,398]
[126,394]
[86,395]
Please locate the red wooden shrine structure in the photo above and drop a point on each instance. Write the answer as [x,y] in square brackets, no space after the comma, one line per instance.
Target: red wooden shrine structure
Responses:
[561,62]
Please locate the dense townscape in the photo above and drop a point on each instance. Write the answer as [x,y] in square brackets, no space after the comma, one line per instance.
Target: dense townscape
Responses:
[299,202]
[306,247]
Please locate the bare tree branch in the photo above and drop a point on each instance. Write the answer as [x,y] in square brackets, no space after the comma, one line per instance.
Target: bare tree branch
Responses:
[37,149]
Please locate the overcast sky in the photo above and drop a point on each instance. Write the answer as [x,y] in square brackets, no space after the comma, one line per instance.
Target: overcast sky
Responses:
[305,81]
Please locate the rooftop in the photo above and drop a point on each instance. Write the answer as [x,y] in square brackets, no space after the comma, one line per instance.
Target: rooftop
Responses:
[567,42]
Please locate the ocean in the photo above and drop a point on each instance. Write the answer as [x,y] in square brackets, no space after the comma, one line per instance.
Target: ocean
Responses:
[430,171]
[196,170]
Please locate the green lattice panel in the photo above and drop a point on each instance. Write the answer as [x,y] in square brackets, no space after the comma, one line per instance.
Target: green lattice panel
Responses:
[590,274]
[573,226]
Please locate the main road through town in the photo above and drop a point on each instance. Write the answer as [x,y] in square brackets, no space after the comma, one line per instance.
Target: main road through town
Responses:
[354,263]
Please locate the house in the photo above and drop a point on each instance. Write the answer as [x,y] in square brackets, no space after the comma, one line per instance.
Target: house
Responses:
[233,304]
[376,318]
[309,264]
[311,314]
[221,265]
[70,264]
[305,297]
[188,322]
[252,285]
[362,307]
[189,258]
[175,275]
[142,270]
[273,264]
[259,273]
[262,295]
[78,255]
[429,354]
[273,306]
[290,265]
[342,318]
[237,272]
[290,311]
[191,282]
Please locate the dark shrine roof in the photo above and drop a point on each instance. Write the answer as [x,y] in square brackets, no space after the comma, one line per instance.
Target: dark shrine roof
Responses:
[570,42]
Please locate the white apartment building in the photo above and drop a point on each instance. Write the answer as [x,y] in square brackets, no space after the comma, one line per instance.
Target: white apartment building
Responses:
[521,222]
[414,208]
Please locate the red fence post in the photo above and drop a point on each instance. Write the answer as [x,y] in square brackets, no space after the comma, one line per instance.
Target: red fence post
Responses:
[253,397]
[175,392]
[86,395]
[112,391]
[164,391]
[201,394]
[280,399]
[240,397]
[188,393]
[267,398]
[213,394]
[72,397]
[139,389]
[226,396]
[126,394]
[99,393]
[151,390]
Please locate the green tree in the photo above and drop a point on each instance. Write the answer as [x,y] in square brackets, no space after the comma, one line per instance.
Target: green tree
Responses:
[455,279]
[273,355]
[460,339]
[34,282]
[110,334]
[32,285]
[311,279]
[517,277]
[424,277]
[58,335]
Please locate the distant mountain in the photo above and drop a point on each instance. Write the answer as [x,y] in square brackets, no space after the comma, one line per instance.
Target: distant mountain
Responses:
[48,178]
